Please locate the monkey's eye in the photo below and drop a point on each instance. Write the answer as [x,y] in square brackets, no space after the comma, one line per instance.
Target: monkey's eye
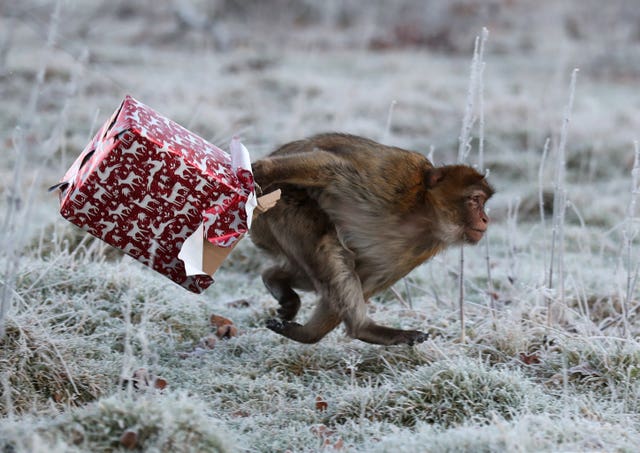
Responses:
[477,201]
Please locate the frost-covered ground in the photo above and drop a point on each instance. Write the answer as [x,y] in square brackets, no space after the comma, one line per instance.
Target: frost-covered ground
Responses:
[83,320]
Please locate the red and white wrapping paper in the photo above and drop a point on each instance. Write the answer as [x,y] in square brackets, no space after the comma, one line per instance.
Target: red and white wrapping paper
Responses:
[151,188]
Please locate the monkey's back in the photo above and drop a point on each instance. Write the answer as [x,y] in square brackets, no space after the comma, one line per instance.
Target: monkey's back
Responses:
[369,204]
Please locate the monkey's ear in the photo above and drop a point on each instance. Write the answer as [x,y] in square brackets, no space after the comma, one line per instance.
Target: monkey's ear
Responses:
[433,176]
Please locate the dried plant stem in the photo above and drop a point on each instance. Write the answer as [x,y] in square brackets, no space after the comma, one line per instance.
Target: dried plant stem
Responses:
[399,296]
[385,137]
[543,223]
[485,35]
[432,150]
[461,296]
[492,302]
[464,146]
[387,128]
[468,120]
[12,233]
[490,288]
[512,225]
[559,200]
[629,234]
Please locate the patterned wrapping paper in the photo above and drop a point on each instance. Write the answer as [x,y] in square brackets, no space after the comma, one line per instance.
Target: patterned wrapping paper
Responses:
[145,184]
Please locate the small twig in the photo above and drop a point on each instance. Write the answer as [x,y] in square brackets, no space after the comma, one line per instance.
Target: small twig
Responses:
[399,297]
[464,146]
[461,296]
[543,159]
[560,198]
[387,128]
[629,234]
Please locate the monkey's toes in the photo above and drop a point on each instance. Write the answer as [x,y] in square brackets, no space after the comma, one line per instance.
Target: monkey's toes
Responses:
[417,337]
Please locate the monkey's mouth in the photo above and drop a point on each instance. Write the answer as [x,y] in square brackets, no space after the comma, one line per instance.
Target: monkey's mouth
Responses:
[473,235]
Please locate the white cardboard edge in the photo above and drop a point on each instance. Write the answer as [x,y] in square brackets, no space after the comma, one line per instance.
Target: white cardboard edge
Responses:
[192,250]
[240,158]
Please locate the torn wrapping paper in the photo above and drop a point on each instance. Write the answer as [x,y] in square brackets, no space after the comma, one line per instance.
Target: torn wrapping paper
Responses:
[161,194]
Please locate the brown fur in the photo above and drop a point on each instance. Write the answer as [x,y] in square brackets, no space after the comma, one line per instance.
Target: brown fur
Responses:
[356,216]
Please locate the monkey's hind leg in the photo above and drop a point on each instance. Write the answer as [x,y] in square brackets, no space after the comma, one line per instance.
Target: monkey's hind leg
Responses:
[280,283]
[370,332]
[341,299]
[362,327]
[326,268]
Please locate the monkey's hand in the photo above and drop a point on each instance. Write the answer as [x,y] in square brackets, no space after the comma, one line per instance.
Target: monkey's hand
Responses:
[279,326]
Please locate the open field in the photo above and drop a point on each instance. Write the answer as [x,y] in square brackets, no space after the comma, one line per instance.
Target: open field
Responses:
[80,320]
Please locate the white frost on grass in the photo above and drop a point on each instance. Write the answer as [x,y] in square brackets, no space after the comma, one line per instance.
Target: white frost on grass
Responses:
[84,318]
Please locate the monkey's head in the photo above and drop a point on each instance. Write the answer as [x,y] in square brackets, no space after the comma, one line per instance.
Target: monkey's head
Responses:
[458,194]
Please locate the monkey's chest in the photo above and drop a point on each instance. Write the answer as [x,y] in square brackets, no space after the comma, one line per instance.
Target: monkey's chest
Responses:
[385,246]
[383,260]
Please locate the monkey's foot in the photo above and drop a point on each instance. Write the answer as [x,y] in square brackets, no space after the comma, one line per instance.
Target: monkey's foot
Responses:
[416,337]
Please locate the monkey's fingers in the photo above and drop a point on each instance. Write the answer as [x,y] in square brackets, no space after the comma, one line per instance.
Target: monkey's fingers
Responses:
[278,326]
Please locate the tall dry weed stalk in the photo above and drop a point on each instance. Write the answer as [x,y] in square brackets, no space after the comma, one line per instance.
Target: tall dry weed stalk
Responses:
[474,91]
[387,128]
[481,169]
[560,203]
[12,230]
[543,221]
[630,232]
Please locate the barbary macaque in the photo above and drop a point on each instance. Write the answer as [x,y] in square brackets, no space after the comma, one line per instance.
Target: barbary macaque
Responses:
[355,216]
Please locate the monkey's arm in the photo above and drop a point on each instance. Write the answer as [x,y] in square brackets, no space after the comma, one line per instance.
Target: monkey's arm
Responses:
[309,169]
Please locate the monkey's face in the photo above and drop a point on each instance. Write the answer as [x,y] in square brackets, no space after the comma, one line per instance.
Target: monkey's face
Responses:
[460,193]
[475,219]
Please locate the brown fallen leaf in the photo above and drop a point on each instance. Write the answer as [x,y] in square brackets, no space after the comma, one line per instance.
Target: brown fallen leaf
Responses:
[129,439]
[227,331]
[529,359]
[160,383]
[321,404]
[217,321]
[338,445]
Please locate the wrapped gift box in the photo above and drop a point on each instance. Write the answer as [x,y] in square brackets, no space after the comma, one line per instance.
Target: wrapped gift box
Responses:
[161,194]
